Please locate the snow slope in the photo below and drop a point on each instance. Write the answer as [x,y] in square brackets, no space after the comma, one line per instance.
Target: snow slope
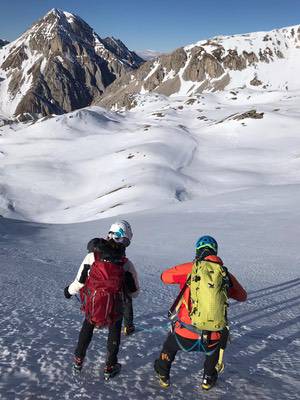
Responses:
[257,230]
[92,164]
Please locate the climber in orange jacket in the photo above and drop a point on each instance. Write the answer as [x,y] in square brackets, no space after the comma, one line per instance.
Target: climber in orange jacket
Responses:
[182,337]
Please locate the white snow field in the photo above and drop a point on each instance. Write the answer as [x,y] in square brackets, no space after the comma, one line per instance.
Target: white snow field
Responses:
[92,164]
[176,169]
[257,230]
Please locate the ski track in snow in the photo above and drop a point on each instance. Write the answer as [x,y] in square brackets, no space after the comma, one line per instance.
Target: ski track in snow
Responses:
[39,327]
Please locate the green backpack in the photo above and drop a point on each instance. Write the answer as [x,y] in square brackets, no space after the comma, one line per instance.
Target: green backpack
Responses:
[208,287]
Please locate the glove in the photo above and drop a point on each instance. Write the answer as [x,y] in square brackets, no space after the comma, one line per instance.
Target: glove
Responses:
[66,293]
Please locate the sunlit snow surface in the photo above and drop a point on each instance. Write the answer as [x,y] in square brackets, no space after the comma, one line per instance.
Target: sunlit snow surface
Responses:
[175,171]
[92,164]
[39,327]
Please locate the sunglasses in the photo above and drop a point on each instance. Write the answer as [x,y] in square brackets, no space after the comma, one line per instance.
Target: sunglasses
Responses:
[119,239]
[117,235]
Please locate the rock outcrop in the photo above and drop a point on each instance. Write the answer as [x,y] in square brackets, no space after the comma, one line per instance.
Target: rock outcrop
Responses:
[3,43]
[248,114]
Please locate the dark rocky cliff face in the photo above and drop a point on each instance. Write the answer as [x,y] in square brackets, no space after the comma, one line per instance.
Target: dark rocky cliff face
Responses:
[117,47]
[61,64]
[3,43]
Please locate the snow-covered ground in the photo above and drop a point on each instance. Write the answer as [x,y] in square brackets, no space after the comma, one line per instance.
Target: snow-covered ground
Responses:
[92,164]
[257,230]
[176,169]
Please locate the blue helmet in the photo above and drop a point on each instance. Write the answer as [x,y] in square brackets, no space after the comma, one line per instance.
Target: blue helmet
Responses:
[206,241]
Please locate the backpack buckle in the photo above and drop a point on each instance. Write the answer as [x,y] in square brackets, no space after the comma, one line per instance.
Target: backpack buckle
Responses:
[205,337]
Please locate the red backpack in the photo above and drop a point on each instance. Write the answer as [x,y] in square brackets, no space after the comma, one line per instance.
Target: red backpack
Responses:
[102,294]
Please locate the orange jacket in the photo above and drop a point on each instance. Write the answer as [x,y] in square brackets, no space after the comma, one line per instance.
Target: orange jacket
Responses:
[178,275]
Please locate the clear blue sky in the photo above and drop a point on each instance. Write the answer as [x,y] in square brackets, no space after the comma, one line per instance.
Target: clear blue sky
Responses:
[156,24]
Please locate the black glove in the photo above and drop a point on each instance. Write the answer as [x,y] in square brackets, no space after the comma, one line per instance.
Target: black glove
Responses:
[66,293]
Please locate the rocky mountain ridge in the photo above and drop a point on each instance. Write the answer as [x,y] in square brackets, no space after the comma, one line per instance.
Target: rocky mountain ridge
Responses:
[259,60]
[58,65]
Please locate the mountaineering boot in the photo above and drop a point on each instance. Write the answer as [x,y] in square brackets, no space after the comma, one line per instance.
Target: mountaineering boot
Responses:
[111,370]
[209,381]
[163,380]
[77,365]
[129,330]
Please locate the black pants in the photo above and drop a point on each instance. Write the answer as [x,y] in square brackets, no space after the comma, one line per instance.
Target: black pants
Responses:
[176,342]
[113,341]
[128,312]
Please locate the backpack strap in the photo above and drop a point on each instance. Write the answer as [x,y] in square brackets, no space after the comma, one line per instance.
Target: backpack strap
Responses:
[178,301]
[226,277]
[97,255]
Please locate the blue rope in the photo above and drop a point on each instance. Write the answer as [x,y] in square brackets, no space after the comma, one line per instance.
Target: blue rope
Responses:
[185,349]
[198,343]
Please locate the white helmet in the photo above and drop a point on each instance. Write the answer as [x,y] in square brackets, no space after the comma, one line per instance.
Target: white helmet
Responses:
[119,231]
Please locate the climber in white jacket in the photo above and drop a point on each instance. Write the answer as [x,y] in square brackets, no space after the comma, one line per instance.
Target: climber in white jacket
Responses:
[113,247]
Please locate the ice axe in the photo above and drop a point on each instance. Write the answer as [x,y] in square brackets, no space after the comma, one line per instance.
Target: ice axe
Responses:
[220,364]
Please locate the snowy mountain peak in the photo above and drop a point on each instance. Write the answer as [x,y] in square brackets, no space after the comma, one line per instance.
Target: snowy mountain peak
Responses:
[61,15]
[55,24]
[58,65]
[54,11]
